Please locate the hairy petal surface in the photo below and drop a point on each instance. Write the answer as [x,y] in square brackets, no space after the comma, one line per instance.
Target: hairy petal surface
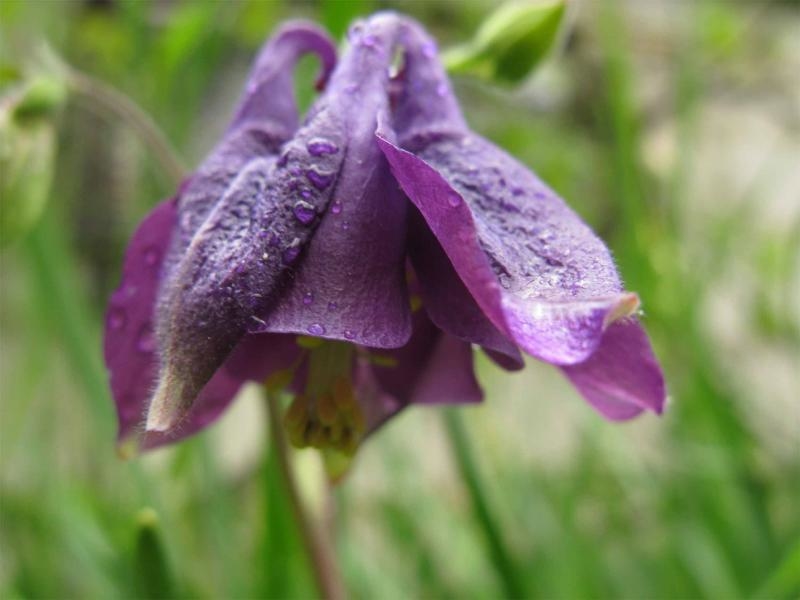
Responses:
[537,272]
[350,283]
[266,116]
[130,348]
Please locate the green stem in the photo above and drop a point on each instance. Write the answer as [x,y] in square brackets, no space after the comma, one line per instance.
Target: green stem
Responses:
[317,544]
[107,99]
[495,545]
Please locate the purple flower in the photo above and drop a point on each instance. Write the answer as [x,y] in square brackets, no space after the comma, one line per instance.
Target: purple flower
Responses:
[381,225]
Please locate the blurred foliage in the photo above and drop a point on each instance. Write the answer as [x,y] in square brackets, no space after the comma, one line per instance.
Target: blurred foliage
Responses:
[511,43]
[701,503]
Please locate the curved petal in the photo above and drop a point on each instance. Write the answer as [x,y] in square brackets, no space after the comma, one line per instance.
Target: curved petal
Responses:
[130,346]
[265,118]
[447,301]
[433,368]
[350,284]
[622,378]
[535,269]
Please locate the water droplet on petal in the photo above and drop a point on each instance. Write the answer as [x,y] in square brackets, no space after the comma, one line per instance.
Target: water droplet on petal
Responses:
[336,207]
[316,329]
[308,298]
[304,212]
[117,318]
[321,147]
[146,342]
[291,252]
[319,180]
[453,199]
[345,225]
[349,334]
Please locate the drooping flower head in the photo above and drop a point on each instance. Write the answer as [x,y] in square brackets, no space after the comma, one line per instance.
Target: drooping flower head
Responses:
[381,225]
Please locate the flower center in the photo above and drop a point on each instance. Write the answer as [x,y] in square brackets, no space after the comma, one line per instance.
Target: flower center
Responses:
[327,415]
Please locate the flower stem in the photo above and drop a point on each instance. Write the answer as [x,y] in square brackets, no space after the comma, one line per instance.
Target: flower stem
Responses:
[495,545]
[110,100]
[315,539]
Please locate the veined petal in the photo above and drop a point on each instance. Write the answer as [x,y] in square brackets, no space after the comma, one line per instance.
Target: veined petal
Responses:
[350,283]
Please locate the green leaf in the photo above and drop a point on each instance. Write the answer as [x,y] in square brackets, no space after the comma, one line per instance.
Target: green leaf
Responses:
[26,172]
[511,43]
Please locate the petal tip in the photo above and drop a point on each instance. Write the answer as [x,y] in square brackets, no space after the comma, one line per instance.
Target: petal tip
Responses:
[626,306]
[166,407]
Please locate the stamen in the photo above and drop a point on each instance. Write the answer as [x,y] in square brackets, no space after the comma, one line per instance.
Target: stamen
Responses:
[328,415]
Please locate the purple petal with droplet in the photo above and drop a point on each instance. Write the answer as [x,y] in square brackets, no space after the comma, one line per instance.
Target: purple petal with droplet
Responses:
[356,258]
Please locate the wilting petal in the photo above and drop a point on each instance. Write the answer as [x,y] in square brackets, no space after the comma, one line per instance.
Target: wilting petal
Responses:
[350,284]
[622,378]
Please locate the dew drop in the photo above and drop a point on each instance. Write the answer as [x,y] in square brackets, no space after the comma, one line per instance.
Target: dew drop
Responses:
[291,252]
[346,225]
[453,199]
[308,298]
[319,180]
[146,342]
[321,147]
[336,207]
[304,212]
[316,329]
[306,193]
[349,334]
[117,319]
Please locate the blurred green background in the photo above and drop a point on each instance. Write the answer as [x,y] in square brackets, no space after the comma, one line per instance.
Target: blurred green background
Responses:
[672,127]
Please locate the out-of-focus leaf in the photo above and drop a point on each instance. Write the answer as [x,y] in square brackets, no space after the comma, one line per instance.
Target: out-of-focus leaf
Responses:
[27,152]
[151,572]
[511,43]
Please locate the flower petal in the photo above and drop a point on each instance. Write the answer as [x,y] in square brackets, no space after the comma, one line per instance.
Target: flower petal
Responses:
[622,378]
[130,345]
[535,269]
[447,301]
[350,284]
[265,118]
[432,368]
